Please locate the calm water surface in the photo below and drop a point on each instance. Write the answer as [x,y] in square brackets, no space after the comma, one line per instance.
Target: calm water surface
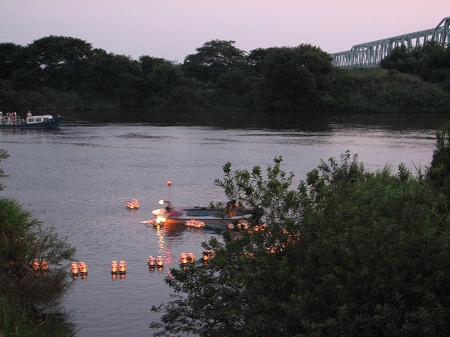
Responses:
[78,180]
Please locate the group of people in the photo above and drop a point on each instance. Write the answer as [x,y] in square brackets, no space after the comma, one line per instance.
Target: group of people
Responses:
[231,208]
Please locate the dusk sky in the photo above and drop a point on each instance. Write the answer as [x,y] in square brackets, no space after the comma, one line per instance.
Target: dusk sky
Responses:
[173,29]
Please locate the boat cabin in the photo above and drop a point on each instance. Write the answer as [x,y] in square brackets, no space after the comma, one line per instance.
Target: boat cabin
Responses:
[38,119]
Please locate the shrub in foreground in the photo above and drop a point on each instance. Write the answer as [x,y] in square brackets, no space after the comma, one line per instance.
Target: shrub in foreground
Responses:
[354,253]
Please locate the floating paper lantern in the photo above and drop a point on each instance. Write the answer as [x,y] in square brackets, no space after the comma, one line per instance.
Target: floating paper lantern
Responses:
[82,267]
[183,258]
[151,261]
[114,267]
[74,268]
[122,267]
[35,264]
[43,265]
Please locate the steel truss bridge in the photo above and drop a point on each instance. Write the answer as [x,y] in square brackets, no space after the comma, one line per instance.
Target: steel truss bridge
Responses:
[370,54]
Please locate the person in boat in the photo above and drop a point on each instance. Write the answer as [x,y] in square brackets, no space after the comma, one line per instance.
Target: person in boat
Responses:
[231,208]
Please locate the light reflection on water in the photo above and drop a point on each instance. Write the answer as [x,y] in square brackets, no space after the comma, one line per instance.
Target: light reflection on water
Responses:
[79,179]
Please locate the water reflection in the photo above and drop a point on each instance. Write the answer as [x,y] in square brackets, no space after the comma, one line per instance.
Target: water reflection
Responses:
[271,121]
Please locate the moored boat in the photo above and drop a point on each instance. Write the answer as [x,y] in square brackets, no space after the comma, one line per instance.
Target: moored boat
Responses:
[12,121]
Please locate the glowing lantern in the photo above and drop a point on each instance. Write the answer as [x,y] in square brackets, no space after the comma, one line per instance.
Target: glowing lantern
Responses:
[83,269]
[74,268]
[190,258]
[43,264]
[159,261]
[160,219]
[114,267]
[206,255]
[35,264]
[151,261]
[122,267]
[183,258]
[169,183]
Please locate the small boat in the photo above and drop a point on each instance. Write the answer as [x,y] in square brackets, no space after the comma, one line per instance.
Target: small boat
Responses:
[12,121]
[132,204]
[180,215]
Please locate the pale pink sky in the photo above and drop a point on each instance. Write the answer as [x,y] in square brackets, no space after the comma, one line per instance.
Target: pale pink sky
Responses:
[172,29]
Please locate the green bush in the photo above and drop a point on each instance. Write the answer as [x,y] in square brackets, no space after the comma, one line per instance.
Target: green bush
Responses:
[347,253]
[28,291]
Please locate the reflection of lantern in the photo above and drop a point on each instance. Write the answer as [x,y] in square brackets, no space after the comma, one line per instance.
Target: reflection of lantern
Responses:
[183,258]
[114,267]
[122,276]
[122,267]
[151,262]
[191,258]
[74,268]
[114,276]
[159,261]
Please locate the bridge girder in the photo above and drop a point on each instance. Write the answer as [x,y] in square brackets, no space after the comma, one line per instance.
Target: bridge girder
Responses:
[369,54]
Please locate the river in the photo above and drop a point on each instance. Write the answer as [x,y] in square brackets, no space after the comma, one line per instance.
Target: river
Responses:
[79,178]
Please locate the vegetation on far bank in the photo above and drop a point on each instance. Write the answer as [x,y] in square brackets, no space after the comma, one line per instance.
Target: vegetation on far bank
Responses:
[58,73]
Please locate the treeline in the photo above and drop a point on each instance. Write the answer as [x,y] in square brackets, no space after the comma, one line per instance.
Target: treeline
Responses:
[65,73]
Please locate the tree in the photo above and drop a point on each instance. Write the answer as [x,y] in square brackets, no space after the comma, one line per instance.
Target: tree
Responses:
[10,59]
[59,58]
[439,170]
[347,253]
[431,61]
[291,78]
[214,58]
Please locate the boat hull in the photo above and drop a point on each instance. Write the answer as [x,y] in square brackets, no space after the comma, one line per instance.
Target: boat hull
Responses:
[206,215]
[53,123]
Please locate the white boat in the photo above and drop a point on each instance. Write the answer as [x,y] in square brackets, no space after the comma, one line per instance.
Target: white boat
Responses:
[12,121]
[210,216]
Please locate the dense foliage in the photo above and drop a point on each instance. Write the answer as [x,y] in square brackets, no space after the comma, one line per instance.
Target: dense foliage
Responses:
[348,252]
[28,290]
[430,62]
[66,73]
